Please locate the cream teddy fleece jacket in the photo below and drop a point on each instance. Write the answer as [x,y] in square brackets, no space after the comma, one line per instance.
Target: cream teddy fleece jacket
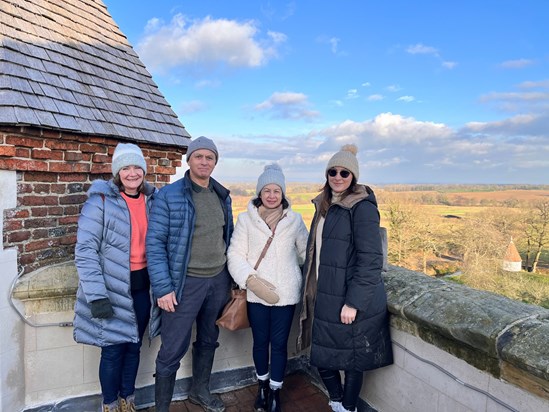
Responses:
[281,265]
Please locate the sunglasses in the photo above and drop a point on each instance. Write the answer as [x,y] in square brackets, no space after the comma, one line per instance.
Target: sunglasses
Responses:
[343,173]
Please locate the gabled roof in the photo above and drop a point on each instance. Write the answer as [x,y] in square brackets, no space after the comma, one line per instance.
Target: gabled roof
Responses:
[65,64]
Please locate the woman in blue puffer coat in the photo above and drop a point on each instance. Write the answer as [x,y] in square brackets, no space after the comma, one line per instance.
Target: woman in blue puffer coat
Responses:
[344,317]
[113,299]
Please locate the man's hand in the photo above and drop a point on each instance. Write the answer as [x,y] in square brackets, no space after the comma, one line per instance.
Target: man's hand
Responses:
[167,302]
[348,315]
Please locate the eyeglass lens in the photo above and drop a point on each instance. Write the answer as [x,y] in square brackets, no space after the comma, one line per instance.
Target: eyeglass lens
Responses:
[343,173]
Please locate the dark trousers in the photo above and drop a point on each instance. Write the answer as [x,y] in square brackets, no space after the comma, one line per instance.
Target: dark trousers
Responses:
[202,301]
[119,363]
[270,327]
[347,393]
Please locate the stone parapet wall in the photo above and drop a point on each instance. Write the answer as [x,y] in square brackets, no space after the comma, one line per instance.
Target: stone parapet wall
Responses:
[505,338]
[54,171]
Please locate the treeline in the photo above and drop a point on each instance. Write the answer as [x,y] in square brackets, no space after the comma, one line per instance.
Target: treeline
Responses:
[458,188]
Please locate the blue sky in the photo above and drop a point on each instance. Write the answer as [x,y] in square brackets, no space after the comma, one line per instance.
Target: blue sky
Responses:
[430,91]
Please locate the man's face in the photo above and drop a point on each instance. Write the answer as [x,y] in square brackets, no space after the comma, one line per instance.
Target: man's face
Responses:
[201,165]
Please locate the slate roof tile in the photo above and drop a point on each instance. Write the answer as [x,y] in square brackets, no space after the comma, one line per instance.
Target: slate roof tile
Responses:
[66,64]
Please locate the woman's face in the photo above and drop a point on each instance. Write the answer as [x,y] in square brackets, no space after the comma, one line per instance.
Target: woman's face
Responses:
[271,196]
[131,178]
[338,183]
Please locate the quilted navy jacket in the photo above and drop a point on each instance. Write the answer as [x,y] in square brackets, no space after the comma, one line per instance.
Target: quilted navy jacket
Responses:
[169,236]
[351,260]
[102,257]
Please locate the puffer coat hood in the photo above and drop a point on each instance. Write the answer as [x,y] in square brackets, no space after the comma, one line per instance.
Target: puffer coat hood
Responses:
[351,260]
[102,257]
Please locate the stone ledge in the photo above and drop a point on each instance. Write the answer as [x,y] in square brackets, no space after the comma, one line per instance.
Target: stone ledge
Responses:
[503,337]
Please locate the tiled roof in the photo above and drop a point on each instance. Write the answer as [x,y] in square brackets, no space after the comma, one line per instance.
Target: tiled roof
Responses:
[65,64]
[512,254]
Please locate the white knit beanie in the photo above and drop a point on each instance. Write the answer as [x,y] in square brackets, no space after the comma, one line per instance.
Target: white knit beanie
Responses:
[127,154]
[346,158]
[272,174]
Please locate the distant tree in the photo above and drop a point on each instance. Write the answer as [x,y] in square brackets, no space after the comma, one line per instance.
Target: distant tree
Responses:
[537,232]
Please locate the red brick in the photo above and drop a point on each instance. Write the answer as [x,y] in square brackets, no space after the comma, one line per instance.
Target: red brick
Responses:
[73,177]
[61,145]
[67,220]
[100,168]
[41,245]
[101,158]
[17,213]
[39,200]
[164,170]
[40,188]
[39,234]
[73,156]
[59,188]
[68,240]
[72,199]
[23,152]
[40,223]
[39,177]
[11,225]
[63,167]
[24,141]
[92,148]
[24,188]
[19,236]
[26,259]
[39,211]
[56,211]
[8,151]
[72,210]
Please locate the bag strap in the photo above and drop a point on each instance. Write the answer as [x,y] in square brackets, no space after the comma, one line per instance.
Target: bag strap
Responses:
[269,241]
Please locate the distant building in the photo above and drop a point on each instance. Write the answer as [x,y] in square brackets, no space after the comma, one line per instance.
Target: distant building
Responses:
[512,262]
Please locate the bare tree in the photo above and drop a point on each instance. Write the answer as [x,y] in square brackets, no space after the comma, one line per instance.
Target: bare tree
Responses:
[537,232]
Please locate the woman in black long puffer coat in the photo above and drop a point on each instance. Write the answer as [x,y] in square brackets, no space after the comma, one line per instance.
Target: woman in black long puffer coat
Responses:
[344,316]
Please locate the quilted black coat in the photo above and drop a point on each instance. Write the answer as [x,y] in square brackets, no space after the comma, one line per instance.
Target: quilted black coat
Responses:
[351,260]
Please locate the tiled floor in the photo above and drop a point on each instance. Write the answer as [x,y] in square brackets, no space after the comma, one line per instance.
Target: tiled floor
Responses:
[298,394]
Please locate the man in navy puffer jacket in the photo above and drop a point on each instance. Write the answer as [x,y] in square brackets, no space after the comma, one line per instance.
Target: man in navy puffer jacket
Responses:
[190,225]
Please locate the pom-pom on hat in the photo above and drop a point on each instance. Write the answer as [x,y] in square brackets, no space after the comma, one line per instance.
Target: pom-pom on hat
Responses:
[272,174]
[346,158]
[127,154]
[202,142]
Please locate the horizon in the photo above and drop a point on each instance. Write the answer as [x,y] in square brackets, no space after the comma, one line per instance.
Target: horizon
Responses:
[429,91]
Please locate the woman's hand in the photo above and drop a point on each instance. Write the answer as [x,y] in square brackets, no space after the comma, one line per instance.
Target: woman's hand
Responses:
[348,315]
[167,302]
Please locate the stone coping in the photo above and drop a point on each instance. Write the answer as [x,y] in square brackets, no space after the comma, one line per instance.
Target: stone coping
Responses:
[507,338]
[503,337]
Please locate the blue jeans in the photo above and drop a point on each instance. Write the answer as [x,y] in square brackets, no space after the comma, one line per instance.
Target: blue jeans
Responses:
[119,363]
[202,301]
[270,327]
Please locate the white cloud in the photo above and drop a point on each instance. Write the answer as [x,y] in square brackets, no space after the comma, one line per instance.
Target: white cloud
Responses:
[517,64]
[421,49]
[288,105]
[449,65]
[192,107]
[366,84]
[375,97]
[208,42]
[393,88]
[406,99]
[352,94]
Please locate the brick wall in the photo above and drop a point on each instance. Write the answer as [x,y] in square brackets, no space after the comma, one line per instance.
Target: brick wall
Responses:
[54,171]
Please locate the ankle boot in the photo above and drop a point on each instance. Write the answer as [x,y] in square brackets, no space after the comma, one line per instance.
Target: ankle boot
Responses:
[262,398]
[111,407]
[273,405]
[200,388]
[127,404]
[163,392]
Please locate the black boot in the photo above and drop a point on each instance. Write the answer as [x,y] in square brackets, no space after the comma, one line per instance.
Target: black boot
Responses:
[163,392]
[273,405]
[262,398]
[200,388]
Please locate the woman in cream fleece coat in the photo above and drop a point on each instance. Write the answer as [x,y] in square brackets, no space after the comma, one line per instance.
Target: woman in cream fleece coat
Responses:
[270,315]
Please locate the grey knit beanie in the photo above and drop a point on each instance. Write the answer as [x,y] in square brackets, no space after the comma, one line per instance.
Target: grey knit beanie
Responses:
[202,142]
[346,158]
[127,154]
[272,174]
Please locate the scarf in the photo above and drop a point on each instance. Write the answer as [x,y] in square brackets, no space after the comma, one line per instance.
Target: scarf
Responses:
[271,216]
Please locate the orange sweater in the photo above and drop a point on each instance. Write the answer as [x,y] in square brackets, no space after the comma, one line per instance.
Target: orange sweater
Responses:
[139,223]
